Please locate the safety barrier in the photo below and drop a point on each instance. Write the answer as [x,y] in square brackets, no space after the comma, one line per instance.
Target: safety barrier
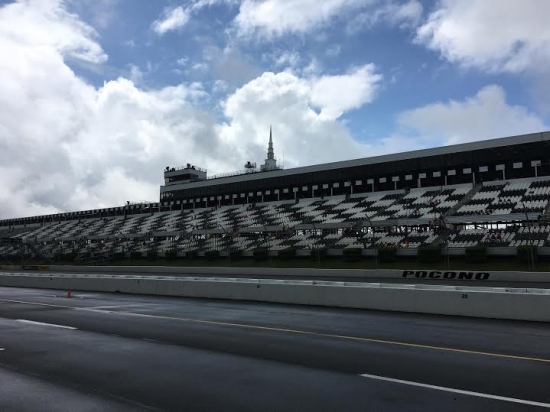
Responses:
[413,275]
[485,302]
[24,267]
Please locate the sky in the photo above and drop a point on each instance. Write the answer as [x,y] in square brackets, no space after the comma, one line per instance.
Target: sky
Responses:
[97,97]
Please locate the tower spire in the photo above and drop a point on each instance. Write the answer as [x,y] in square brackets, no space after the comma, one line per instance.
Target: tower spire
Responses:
[270,154]
[270,162]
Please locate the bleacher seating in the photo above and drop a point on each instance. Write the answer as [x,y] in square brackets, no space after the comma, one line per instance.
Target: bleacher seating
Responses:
[503,198]
[336,222]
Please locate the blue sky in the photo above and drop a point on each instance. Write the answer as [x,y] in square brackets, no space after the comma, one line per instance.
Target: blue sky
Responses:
[414,76]
[98,96]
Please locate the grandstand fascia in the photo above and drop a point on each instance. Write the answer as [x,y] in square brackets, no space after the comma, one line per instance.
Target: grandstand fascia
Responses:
[514,157]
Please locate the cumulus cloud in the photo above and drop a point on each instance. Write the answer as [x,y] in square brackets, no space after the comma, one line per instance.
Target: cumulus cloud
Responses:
[504,36]
[50,26]
[338,94]
[284,100]
[484,116]
[286,58]
[67,145]
[272,18]
[171,19]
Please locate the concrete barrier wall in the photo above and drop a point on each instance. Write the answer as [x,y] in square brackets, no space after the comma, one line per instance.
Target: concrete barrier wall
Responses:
[499,303]
[504,276]
[316,273]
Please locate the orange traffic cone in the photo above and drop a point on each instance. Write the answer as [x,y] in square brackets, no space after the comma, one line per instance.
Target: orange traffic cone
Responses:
[69,294]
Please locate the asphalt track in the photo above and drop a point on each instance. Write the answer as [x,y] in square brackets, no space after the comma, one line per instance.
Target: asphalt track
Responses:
[343,278]
[114,352]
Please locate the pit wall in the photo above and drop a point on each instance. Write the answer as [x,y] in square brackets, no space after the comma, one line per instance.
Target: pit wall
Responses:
[413,275]
[496,303]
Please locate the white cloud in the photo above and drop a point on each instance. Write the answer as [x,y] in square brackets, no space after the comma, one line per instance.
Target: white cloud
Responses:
[200,67]
[391,12]
[89,147]
[333,50]
[51,26]
[313,67]
[338,94]
[286,58]
[219,86]
[136,74]
[284,100]
[273,18]
[65,145]
[507,35]
[171,19]
[183,61]
[484,116]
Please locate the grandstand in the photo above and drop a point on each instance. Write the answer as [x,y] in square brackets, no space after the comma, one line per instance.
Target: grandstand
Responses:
[493,193]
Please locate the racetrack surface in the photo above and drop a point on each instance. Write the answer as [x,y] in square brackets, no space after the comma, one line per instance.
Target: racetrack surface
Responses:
[126,352]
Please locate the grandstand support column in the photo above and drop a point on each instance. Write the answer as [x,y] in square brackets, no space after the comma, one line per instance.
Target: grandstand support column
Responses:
[373,241]
[530,256]
[446,241]
[314,248]
[228,248]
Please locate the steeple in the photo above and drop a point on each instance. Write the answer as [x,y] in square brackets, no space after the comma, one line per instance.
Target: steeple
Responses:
[270,162]
[270,154]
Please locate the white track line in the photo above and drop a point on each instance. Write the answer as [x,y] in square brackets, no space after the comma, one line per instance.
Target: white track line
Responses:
[462,392]
[32,322]
[2,349]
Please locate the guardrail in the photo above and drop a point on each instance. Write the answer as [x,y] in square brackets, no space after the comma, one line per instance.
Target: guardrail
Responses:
[501,303]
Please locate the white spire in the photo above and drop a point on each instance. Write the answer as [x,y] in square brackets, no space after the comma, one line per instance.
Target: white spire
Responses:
[270,154]
[270,162]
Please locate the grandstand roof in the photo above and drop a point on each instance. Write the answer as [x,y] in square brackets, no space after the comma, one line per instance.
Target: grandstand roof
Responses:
[415,154]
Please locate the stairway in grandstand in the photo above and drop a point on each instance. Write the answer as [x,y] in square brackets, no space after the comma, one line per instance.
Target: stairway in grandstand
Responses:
[464,200]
